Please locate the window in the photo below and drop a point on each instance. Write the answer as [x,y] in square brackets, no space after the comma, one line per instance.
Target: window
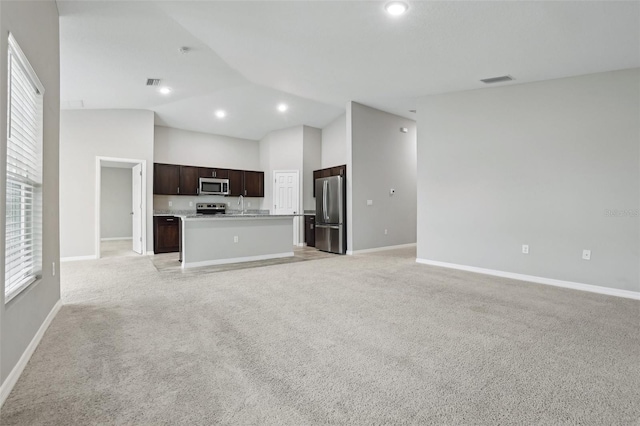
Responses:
[23,239]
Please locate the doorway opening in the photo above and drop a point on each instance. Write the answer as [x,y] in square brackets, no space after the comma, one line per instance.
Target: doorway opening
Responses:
[121,207]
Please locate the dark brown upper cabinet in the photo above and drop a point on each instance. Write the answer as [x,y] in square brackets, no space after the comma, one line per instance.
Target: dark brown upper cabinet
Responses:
[189,180]
[172,179]
[253,184]
[214,173]
[236,182]
[166,179]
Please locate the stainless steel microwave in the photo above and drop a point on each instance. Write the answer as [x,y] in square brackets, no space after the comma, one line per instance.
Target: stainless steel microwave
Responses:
[213,186]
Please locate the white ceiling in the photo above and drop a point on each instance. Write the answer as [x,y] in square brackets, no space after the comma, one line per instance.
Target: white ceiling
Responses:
[246,57]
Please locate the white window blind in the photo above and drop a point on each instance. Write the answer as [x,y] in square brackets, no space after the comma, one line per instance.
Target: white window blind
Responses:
[23,240]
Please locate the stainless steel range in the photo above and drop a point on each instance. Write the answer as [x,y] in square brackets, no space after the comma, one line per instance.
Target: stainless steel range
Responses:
[211,208]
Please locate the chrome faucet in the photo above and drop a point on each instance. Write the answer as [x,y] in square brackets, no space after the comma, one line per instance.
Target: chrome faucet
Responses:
[241,200]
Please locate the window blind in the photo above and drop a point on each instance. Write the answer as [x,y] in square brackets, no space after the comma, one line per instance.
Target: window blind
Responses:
[23,240]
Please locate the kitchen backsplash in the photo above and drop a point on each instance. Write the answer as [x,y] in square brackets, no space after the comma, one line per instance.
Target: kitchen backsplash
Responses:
[187,202]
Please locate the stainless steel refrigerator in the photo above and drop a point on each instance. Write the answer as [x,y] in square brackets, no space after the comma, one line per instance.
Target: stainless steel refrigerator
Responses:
[331,214]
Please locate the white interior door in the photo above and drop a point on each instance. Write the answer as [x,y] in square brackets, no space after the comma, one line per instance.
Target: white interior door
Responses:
[286,197]
[136,208]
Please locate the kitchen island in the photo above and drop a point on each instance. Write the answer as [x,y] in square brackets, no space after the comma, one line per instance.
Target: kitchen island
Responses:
[219,239]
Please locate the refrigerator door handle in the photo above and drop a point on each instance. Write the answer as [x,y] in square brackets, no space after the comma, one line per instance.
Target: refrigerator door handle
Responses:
[328,226]
[325,186]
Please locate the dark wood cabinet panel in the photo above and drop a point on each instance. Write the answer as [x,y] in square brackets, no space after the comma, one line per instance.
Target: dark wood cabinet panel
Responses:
[330,171]
[236,182]
[189,180]
[173,179]
[316,175]
[253,184]
[310,231]
[221,173]
[206,172]
[166,179]
[214,173]
[166,234]
[337,171]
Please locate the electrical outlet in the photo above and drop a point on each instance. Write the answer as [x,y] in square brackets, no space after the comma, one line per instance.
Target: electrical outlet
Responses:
[385,232]
[235,239]
[586,254]
[190,203]
[170,203]
[525,249]
[53,268]
[249,204]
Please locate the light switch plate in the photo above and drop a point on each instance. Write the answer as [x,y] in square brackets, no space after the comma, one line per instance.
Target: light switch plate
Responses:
[369,202]
[586,254]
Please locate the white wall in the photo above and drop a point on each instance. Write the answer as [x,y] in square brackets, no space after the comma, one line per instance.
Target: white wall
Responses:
[537,164]
[334,143]
[382,157]
[116,203]
[280,150]
[84,135]
[35,26]
[175,146]
[312,155]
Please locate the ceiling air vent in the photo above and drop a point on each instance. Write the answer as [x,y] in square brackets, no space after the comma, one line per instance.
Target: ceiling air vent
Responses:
[153,81]
[500,79]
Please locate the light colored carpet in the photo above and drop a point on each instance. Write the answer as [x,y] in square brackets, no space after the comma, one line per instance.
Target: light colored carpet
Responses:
[367,339]
[117,248]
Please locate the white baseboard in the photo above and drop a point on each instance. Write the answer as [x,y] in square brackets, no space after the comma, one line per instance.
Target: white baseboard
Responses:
[74,258]
[116,239]
[236,260]
[539,280]
[373,250]
[14,375]
[150,253]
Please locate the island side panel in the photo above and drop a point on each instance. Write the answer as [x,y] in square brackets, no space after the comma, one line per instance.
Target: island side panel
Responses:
[211,241]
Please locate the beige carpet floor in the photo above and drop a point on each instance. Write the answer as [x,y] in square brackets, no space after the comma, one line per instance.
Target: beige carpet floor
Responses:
[355,340]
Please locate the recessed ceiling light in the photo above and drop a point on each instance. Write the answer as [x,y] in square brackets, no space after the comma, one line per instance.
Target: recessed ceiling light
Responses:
[221,114]
[283,107]
[165,90]
[396,8]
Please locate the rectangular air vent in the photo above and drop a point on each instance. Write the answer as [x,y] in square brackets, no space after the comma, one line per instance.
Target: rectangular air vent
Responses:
[153,81]
[497,79]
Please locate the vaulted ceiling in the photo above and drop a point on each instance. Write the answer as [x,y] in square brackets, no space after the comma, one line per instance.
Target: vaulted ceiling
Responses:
[246,57]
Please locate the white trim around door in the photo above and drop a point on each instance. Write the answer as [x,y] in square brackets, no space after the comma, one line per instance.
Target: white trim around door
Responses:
[125,163]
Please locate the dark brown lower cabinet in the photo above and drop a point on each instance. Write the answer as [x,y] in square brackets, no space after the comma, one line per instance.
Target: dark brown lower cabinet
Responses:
[310,230]
[166,234]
